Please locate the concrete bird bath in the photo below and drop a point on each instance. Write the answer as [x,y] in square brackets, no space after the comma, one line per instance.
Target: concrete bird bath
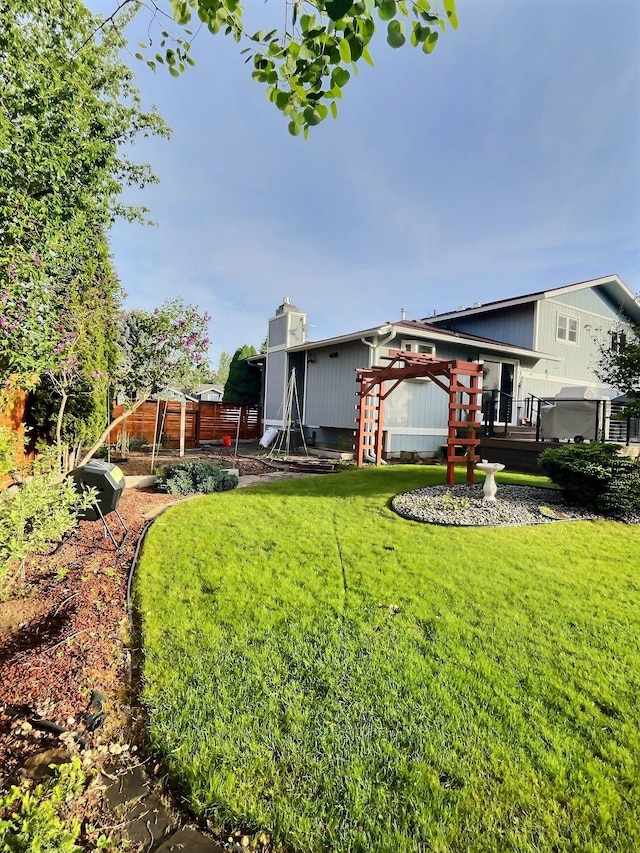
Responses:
[489,469]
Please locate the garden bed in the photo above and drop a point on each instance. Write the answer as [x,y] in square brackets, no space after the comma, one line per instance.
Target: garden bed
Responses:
[66,634]
[139,463]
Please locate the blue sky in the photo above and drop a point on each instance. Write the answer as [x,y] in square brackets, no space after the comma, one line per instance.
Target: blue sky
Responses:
[507,161]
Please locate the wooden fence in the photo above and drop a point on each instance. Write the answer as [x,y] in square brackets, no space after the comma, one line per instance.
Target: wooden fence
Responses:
[11,416]
[203,422]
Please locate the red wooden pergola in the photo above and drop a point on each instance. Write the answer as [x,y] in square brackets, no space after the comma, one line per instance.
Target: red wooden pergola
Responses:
[461,381]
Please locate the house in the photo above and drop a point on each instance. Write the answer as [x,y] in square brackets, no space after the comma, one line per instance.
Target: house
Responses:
[209,393]
[530,347]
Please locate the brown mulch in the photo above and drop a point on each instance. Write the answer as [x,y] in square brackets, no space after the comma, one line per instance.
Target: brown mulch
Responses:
[138,462]
[65,634]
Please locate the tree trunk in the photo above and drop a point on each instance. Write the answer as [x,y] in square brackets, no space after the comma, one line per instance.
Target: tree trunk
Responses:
[61,408]
[114,423]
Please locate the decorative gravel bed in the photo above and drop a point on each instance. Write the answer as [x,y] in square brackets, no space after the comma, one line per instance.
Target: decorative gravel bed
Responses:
[463,506]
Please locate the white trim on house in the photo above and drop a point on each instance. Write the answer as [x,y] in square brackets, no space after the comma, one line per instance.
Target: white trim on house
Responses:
[428,334]
[628,301]
[415,431]
[566,380]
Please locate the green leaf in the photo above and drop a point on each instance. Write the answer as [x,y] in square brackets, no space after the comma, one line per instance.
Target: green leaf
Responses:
[294,129]
[334,109]
[340,76]
[395,36]
[311,116]
[450,9]
[345,50]
[337,9]
[430,41]
[387,10]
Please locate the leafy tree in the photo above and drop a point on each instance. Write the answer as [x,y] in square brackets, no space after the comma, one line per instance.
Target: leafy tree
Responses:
[220,375]
[68,111]
[619,366]
[243,384]
[306,64]
[67,108]
[156,350]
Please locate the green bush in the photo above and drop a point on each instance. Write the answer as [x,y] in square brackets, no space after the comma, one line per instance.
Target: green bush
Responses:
[9,445]
[189,477]
[39,512]
[37,819]
[595,476]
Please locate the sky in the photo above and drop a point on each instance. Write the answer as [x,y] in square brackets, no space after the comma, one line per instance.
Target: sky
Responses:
[507,161]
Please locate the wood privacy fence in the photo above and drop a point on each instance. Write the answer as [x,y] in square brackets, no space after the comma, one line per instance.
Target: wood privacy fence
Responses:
[203,422]
[11,415]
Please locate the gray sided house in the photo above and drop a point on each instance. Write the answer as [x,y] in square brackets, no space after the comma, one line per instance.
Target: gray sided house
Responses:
[530,345]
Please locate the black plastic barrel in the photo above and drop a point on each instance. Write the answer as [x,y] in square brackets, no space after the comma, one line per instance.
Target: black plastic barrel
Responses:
[108,481]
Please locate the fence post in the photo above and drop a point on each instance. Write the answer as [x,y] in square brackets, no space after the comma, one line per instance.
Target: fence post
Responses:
[183,424]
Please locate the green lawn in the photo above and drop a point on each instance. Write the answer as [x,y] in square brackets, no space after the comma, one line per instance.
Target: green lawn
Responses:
[346,680]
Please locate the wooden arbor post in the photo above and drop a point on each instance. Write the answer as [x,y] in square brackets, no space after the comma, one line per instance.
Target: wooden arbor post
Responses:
[461,381]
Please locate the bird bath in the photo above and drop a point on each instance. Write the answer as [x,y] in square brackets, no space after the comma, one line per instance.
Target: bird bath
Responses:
[489,469]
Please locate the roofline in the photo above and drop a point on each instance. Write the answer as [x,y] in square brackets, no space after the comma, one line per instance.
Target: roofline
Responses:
[425,330]
[533,297]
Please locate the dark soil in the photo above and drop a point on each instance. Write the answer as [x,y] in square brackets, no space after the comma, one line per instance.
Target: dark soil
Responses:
[66,634]
[139,462]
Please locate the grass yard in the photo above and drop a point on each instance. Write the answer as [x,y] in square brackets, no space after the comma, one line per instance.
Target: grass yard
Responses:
[346,680]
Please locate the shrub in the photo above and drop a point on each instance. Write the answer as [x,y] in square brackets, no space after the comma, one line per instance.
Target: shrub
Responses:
[189,477]
[38,819]
[9,446]
[595,476]
[39,512]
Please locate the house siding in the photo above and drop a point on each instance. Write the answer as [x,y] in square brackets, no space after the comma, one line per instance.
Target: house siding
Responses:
[331,385]
[275,387]
[513,325]
[579,359]
[591,300]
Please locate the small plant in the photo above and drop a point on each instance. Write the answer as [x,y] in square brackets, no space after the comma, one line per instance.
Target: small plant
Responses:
[195,477]
[9,446]
[37,819]
[451,504]
[39,512]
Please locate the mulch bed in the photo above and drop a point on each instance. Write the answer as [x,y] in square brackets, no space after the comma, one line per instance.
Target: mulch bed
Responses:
[65,634]
[138,462]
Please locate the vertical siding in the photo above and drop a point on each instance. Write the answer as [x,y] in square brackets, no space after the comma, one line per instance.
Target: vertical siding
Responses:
[578,360]
[331,384]
[277,331]
[511,325]
[590,299]
[276,381]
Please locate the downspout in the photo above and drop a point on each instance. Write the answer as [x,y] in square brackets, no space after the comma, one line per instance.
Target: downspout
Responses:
[374,346]
[368,456]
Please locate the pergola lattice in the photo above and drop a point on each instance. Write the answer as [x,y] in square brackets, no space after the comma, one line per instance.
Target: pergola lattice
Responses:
[461,381]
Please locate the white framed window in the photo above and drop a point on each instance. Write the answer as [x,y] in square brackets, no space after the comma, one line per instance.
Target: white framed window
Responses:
[418,346]
[422,348]
[567,328]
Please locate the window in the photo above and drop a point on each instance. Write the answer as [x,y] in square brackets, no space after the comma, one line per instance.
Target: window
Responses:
[567,329]
[422,348]
[418,346]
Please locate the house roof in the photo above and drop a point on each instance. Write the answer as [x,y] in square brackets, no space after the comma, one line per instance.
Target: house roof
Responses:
[202,389]
[612,285]
[426,331]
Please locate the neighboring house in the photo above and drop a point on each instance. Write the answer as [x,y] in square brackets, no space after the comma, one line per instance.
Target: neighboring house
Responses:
[209,393]
[529,345]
